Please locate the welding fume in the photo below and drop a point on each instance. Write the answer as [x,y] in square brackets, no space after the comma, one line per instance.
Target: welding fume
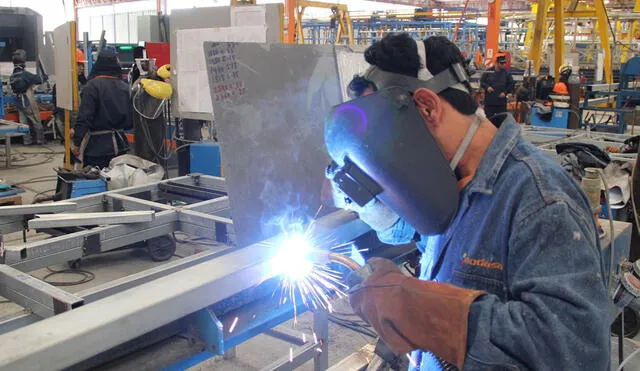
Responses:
[417,159]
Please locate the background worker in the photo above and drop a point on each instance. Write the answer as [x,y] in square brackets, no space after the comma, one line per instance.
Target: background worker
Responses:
[105,113]
[497,84]
[491,214]
[561,86]
[22,83]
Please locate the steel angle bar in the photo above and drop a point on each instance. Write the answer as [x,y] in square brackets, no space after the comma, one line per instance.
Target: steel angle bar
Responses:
[201,219]
[112,287]
[11,224]
[131,203]
[54,207]
[209,206]
[84,219]
[40,297]
[206,181]
[68,338]
[39,254]
[13,322]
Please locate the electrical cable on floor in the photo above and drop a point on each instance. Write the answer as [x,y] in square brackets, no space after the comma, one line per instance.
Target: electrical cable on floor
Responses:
[361,329]
[40,179]
[86,277]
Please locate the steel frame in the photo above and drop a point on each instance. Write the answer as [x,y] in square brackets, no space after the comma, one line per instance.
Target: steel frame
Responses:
[196,219]
[153,302]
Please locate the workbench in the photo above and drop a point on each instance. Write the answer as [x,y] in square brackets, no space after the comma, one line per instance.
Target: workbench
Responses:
[10,129]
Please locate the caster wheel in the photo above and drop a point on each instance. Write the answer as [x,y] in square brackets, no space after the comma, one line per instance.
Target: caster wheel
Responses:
[74,264]
[161,248]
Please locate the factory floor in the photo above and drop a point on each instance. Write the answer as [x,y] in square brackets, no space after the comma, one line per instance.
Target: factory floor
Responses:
[36,163]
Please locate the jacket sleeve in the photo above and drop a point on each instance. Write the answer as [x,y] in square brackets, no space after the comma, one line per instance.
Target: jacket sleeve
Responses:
[86,114]
[399,234]
[484,81]
[556,315]
[32,79]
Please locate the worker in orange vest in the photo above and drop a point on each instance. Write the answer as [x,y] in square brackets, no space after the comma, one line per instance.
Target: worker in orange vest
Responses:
[562,85]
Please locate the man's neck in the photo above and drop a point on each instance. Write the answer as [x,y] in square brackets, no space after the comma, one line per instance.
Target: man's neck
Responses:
[479,144]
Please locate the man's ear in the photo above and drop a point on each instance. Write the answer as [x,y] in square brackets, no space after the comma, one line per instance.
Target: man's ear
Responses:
[429,105]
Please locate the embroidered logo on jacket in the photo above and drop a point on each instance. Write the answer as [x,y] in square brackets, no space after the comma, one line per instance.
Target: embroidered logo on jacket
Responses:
[484,263]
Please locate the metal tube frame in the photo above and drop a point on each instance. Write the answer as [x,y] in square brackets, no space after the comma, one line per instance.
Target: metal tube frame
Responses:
[72,337]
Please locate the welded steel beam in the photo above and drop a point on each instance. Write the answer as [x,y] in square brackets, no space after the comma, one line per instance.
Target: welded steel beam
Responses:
[126,203]
[85,219]
[54,207]
[31,293]
[56,250]
[69,338]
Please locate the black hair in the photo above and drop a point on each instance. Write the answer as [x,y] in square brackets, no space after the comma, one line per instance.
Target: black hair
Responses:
[398,53]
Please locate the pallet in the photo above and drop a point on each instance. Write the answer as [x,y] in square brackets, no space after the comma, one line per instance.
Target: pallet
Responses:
[11,200]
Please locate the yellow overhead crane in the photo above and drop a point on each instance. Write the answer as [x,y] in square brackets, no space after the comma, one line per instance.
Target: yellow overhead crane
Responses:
[559,10]
[340,13]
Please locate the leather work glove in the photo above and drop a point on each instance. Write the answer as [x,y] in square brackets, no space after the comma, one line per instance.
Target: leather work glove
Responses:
[410,314]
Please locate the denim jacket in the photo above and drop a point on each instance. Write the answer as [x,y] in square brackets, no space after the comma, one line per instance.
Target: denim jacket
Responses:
[524,233]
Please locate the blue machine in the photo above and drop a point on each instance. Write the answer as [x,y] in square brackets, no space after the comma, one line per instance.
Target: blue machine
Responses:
[559,118]
[205,158]
[73,186]
[626,98]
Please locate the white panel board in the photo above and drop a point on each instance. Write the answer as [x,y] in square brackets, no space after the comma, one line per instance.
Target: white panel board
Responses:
[242,16]
[62,62]
[193,83]
[350,63]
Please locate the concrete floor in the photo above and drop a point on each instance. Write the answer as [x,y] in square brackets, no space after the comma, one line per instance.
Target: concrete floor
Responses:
[38,162]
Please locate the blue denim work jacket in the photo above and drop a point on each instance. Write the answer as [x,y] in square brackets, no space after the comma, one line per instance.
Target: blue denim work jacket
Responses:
[524,233]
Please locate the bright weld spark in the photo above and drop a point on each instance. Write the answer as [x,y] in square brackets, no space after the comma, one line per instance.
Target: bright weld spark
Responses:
[290,354]
[302,278]
[319,350]
[412,361]
[304,337]
[315,338]
[233,325]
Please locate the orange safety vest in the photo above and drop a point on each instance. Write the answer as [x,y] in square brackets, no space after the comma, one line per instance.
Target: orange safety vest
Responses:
[561,88]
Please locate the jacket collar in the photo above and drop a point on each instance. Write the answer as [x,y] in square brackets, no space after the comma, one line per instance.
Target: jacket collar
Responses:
[495,157]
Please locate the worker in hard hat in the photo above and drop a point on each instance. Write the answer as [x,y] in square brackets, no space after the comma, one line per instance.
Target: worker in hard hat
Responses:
[511,274]
[22,84]
[497,84]
[561,86]
[104,115]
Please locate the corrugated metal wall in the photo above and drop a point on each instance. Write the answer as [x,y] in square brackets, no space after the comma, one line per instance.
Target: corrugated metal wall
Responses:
[119,28]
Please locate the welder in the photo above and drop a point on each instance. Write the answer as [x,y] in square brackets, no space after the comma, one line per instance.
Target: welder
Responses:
[511,273]
[22,83]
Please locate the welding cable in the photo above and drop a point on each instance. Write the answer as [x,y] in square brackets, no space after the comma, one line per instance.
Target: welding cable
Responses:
[344,261]
[612,231]
[635,352]
[86,277]
[357,327]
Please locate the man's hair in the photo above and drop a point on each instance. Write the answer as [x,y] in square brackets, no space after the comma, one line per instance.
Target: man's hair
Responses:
[398,53]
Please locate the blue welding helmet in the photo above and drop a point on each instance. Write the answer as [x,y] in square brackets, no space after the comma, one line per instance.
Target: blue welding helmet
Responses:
[381,149]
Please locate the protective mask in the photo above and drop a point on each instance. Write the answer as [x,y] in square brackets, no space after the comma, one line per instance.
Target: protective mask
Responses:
[382,150]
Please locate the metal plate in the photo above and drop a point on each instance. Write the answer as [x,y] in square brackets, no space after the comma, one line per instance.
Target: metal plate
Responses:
[271,129]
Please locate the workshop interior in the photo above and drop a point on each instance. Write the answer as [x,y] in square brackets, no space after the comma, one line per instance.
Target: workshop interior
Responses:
[196,234]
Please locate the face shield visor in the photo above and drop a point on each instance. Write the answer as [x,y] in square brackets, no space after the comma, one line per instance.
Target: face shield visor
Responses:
[381,149]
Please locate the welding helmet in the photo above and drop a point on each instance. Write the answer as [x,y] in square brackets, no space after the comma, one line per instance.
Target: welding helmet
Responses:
[382,150]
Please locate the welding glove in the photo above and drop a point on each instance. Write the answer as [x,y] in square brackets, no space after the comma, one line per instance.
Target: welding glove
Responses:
[376,214]
[410,314]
